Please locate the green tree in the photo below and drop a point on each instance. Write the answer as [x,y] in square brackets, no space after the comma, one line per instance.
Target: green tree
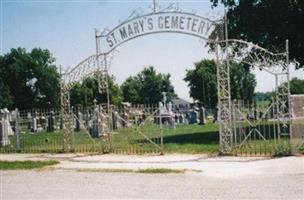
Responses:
[5,97]
[28,79]
[83,94]
[268,23]
[202,82]
[297,86]
[147,87]
[130,89]
[263,96]
[242,82]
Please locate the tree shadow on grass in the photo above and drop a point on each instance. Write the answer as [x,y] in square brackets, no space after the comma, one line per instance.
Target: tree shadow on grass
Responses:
[193,138]
[211,137]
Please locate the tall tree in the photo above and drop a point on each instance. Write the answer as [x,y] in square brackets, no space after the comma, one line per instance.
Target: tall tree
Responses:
[147,87]
[242,82]
[130,89]
[5,96]
[83,94]
[29,79]
[202,82]
[268,23]
[297,86]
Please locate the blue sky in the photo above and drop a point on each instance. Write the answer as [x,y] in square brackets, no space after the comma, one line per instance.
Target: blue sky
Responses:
[66,28]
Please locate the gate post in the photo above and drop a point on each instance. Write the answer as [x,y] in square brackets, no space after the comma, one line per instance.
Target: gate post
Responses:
[224,97]
[224,108]
[290,120]
[67,121]
[66,116]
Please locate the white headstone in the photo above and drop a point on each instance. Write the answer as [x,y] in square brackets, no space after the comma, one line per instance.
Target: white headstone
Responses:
[5,129]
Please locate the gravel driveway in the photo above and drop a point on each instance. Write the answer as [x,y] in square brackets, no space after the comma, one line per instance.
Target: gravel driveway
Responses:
[221,178]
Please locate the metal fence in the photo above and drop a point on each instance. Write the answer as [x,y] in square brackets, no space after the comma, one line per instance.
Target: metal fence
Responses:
[135,129]
[142,129]
[257,130]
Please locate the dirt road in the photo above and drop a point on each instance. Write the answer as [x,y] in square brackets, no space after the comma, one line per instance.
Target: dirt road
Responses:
[219,178]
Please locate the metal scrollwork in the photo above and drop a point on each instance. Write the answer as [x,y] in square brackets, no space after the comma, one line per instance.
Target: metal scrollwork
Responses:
[226,50]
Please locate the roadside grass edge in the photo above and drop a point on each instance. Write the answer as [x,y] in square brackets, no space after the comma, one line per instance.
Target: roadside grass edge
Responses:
[27,164]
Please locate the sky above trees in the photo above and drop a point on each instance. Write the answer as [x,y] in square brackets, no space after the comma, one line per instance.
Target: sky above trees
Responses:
[67,30]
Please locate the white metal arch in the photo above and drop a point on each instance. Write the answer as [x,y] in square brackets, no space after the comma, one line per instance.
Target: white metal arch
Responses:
[225,50]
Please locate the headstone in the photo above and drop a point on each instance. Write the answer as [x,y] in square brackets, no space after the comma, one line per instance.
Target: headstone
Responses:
[118,123]
[34,122]
[193,117]
[102,124]
[186,118]
[29,121]
[42,123]
[94,131]
[202,116]
[170,107]
[17,129]
[172,121]
[81,121]
[51,122]
[161,108]
[125,120]
[181,118]
[7,120]
[4,129]
[99,123]
[114,120]
[176,118]
[164,97]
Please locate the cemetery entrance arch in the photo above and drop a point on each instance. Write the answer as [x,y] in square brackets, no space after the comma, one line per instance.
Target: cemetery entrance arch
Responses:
[173,20]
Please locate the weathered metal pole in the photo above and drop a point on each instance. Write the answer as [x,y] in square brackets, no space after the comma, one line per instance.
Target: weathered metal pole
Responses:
[224,98]
[228,77]
[108,91]
[289,98]
[106,78]
[288,86]
[277,105]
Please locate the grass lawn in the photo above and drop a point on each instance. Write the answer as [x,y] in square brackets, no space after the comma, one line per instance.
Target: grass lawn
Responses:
[192,139]
[12,165]
[183,139]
